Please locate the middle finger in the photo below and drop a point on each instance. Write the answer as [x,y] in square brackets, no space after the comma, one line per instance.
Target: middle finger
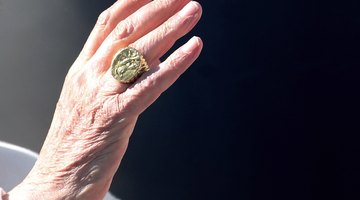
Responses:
[135,26]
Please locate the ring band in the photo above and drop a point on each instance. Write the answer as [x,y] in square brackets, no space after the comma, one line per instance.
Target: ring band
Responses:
[128,65]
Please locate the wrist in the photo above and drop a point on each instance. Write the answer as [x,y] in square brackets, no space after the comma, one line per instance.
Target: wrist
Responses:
[68,170]
[76,162]
[28,191]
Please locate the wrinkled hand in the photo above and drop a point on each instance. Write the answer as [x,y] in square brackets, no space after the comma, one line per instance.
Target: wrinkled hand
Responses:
[96,114]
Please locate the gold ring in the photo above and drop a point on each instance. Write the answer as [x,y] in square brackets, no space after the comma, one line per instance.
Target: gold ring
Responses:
[128,65]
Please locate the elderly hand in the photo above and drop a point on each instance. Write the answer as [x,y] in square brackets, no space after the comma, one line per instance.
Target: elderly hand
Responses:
[96,114]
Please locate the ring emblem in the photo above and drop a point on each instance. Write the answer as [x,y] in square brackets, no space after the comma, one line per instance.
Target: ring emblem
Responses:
[128,65]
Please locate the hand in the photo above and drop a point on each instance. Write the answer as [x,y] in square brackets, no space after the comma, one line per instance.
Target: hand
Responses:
[96,114]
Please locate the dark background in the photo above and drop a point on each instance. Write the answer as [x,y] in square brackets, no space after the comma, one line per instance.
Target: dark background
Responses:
[268,111]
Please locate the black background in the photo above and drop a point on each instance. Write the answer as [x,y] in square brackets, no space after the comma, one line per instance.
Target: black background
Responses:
[269,111]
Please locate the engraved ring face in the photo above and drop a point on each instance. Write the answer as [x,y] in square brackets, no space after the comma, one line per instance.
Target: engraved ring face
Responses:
[128,65]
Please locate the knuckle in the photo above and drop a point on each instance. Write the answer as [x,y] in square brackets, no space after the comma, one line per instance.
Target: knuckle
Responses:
[103,18]
[123,30]
[184,22]
[167,28]
[173,62]
[178,60]
[163,3]
[177,27]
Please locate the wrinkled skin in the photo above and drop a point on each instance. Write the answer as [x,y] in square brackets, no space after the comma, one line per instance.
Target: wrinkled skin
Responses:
[95,114]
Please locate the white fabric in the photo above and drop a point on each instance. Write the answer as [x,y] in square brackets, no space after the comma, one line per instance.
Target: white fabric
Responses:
[15,164]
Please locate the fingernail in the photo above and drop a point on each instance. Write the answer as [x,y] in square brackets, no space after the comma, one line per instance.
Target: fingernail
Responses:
[192,44]
[190,9]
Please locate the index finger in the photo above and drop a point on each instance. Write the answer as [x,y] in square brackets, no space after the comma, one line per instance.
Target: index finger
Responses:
[107,21]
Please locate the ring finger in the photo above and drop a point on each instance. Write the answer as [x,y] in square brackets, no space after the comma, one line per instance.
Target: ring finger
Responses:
[159,41]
